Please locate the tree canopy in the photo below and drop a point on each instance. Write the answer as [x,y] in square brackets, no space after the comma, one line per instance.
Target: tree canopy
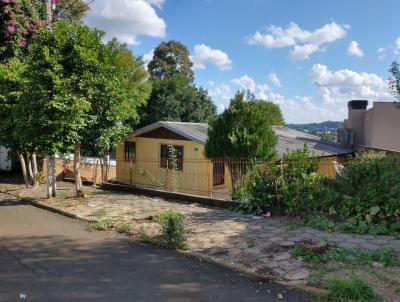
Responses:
[174,96]
[71,11]
[242,131]
[394,80]
[170,59]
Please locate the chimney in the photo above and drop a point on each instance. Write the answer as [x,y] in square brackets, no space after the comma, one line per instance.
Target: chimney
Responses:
[355,121]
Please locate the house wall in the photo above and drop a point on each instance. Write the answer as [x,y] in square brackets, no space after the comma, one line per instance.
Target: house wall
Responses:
[382,124]
[195,178]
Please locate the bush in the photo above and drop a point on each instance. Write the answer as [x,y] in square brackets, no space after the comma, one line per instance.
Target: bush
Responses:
[291,184]
[173,230]
[370,187]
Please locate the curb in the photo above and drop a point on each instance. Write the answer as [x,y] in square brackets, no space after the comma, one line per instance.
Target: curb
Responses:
[57,211]
[234,267]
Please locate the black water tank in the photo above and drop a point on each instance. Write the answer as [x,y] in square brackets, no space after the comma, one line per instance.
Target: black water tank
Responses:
[358,104]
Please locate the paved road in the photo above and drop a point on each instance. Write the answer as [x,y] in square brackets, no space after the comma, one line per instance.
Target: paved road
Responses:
[48,257]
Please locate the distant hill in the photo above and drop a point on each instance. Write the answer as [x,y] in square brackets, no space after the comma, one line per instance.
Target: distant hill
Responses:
[328,126]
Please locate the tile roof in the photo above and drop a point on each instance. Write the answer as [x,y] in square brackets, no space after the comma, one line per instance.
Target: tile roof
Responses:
[288,139]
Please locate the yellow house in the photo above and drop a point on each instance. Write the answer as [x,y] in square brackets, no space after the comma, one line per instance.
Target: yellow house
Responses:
[170,156]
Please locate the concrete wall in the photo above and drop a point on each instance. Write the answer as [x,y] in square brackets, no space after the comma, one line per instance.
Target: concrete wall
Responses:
[382,126]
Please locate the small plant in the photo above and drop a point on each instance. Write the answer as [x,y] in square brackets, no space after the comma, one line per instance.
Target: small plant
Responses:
[125,228]
[173,230]
[144,236]
[350,290]
[99,213]
[100,226]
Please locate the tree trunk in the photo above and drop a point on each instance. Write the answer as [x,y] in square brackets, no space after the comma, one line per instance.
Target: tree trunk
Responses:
[35,171]
[29,165]
[23,169]
[51,176]
[77,171]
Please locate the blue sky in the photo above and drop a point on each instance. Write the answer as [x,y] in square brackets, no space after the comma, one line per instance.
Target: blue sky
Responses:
[308,56]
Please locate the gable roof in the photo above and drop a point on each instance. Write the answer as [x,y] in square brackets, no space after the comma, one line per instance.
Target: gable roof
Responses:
[288,139]
[194,131]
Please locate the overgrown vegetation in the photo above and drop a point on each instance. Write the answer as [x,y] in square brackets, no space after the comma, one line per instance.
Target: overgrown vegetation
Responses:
[173,230]
[346,256]
[290,185]
[365,198]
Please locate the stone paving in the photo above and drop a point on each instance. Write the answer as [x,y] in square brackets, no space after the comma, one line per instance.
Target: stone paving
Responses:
[251,244]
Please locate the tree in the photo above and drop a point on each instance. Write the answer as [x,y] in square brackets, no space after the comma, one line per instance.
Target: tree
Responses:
[71,11]
[242,131]
[83,91]
[171,58]
[394,80]
[113,110]
[174,96]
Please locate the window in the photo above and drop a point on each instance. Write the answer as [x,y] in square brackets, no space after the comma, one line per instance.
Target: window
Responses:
[169,160]
[130,151]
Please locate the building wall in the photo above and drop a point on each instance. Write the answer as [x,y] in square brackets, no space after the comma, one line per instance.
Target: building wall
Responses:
[382,126]
[195,178]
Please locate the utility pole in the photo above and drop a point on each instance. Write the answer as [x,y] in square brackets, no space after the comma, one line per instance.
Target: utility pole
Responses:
[51,160]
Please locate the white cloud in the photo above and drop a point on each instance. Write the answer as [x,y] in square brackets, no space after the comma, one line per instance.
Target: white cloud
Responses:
[148,56]
[343,85]
[126,20]
[355,50]
[245,82]
[334,88]
[396,46]
[274,79]
[303,52]
[304,42]
[203,55]
[381,53]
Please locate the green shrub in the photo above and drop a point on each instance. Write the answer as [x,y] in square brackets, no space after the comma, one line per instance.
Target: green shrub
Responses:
[370,186]
[350,290]
[290,185]
[173,230]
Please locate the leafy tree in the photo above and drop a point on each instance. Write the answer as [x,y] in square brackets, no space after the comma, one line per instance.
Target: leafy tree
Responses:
[174,99]
[174,96]
[71,11]
[241,131]
[78,91]
[272,112]
[394,81]
[171,58]
[113,110]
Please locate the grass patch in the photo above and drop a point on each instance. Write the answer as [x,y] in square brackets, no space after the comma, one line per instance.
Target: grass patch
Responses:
[131,213]
[350,290]
[352,257]
[144,236]
[100,226]
[125,228]
[351,226]
[99,213]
